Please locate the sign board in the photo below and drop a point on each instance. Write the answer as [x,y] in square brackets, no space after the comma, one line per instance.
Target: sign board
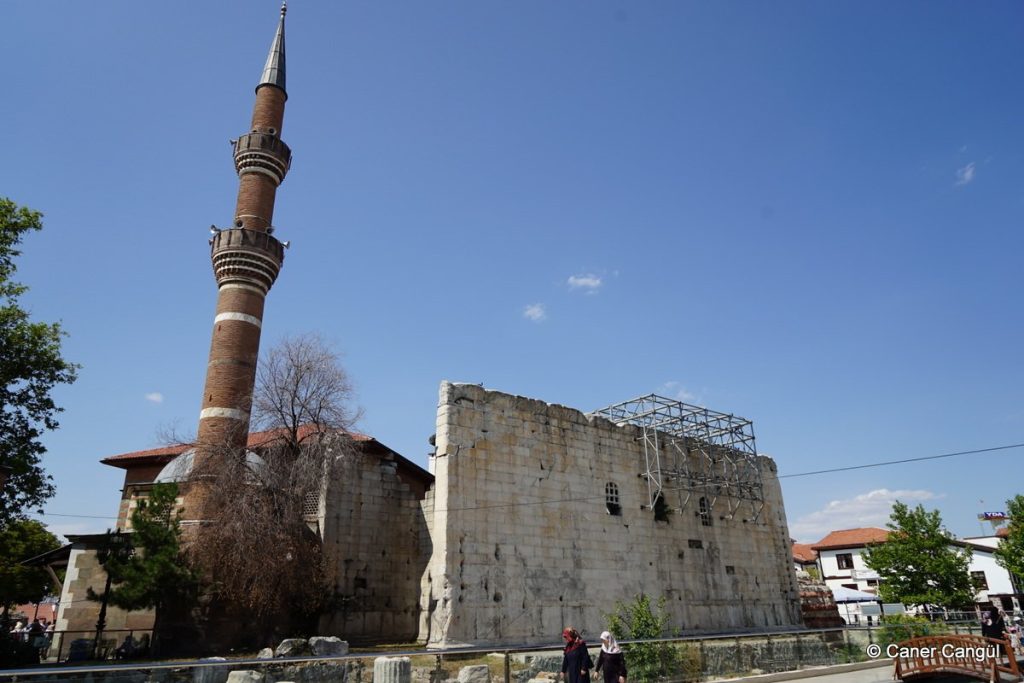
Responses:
[871,609]
[993,516]
[894,608]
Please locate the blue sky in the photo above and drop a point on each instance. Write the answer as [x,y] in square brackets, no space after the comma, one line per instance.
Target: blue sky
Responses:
[807,214]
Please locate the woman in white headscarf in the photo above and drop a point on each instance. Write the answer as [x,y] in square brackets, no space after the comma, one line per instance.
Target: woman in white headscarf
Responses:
[610,661]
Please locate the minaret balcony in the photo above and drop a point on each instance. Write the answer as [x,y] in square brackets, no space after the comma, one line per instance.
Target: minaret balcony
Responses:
[264,153]
[249,257]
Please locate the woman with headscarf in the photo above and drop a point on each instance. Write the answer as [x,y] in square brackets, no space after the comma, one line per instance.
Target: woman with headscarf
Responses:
[993,626]
[576,661]
[610,661]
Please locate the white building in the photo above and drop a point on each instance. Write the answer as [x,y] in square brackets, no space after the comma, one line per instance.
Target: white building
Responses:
[841,563]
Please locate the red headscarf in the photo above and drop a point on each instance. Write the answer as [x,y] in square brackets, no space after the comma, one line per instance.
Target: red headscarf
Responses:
[572,639]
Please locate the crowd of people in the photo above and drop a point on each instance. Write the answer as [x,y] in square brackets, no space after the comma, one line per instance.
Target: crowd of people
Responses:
[39,633]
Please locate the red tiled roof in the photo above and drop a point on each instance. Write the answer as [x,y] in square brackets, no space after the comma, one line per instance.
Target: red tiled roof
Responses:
[804,553]
[164,454]
[852,538]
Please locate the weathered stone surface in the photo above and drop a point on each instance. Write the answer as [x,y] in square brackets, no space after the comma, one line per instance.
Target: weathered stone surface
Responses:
[211,674]
[513,556]
[246,676]
[329,646]
[478,673]
[292,647]
[265,653]
[817,603]
[392,670]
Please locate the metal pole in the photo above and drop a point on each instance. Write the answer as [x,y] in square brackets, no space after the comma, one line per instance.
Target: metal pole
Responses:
[508,668]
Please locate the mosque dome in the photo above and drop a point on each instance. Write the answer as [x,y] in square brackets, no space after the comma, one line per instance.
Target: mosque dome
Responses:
[178,469]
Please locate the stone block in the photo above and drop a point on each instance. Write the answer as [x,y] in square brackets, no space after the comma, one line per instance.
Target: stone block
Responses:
[329,646]
[246,676]
[211,674]
[392,670]
[478,673]
[292,647]
[265,653]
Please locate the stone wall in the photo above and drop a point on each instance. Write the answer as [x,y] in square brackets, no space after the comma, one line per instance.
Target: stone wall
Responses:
[373,526]
[523,543]
[78,613]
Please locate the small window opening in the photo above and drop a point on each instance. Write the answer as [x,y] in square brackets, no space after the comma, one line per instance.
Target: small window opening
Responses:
[311,505]
[705,512]
[729,569]
[660,509]
[696,543]
[611,499]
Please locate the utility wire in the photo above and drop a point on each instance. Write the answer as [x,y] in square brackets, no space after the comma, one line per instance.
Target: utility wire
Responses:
[900,462]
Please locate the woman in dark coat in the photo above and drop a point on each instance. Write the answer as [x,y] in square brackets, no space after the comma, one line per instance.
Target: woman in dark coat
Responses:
[576,661]
[611,661]
[994,626]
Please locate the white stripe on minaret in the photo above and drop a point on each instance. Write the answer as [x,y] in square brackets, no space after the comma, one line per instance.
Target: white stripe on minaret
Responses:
[235,285]
[242,317]
[232,413]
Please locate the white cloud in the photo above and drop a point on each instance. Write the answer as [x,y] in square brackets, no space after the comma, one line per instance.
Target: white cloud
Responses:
[964,175]
[589,282]
[155,397]
[679,392]
[535,312]
[867,509]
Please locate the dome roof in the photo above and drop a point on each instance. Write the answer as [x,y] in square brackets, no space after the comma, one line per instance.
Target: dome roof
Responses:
[179,468]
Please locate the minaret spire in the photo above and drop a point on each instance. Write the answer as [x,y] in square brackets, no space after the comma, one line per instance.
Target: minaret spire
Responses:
[274,71]
[247,258]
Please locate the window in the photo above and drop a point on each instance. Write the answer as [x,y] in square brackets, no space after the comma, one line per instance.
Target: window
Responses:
[611,499]
[311,505]
[696,543]
[872,583]
[705,512]
[660,509]
[979,581]
[845,560]
[730,569]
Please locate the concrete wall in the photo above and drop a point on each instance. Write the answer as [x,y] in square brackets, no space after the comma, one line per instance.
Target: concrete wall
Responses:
[373,526]
[523,544]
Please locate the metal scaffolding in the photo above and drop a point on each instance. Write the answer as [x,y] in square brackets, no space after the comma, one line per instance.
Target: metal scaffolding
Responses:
[695,451]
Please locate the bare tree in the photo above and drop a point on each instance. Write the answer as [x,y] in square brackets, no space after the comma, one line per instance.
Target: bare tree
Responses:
[257,543]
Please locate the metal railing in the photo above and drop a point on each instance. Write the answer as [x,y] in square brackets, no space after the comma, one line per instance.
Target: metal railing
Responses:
[692,659]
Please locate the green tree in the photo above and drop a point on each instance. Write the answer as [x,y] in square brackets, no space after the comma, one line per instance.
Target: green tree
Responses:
[1010,553]
[154,575]
[640,620]
[31,365]
[19,541]
[918,563]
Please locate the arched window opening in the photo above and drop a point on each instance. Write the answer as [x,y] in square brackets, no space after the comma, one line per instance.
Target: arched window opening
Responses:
[661,509]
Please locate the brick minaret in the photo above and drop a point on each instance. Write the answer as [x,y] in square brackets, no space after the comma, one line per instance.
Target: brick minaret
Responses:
[246,261]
